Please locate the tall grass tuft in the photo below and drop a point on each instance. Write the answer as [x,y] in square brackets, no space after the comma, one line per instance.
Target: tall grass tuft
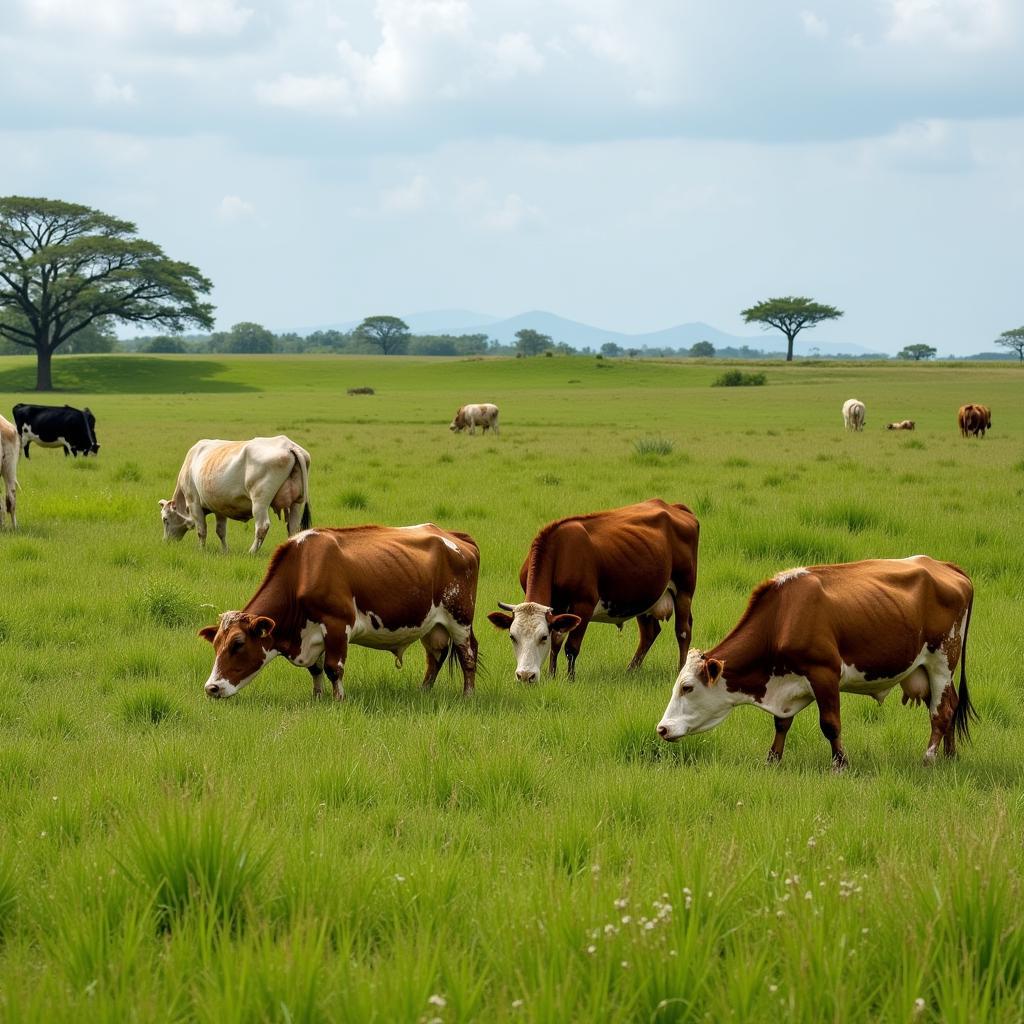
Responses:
[8,895]
[166,602]
[645,447]
[208,862]
[739,379]
[355,500]
[148,705]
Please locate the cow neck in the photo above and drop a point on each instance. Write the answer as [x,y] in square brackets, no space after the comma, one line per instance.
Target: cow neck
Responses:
[276,600]
[540,581]
[745,662]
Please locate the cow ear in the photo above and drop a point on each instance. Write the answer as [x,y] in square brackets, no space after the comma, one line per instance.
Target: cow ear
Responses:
[261,626]
[713,669]
[208,632]
[500,619]
[563,623]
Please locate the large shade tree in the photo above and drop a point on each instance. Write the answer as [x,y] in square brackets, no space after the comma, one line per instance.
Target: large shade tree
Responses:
[790,314]
[64,266]
[388,333]
[1013,340]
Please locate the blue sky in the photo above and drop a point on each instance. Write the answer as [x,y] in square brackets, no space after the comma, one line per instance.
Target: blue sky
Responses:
[629,163]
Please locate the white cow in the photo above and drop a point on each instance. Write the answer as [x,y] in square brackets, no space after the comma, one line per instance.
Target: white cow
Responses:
[854,414]
[240,480]
[10,449]
[473,416]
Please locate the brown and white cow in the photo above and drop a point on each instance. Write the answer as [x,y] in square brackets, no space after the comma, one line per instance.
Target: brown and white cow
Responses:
[484,416]
[854,414]
[901,425]
[637,562]
[10,449]
[239,480]
[374,586]
[810,634]
[974,419]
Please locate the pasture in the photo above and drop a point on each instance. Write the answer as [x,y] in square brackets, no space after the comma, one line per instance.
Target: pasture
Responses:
[531,854]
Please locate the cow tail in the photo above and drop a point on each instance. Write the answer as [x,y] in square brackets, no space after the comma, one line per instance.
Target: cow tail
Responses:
[965,710]
[307,512]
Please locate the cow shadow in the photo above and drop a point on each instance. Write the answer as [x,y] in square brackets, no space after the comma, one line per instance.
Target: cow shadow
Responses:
[135,374]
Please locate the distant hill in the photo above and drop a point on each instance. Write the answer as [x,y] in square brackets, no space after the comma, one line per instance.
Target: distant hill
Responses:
[581,335]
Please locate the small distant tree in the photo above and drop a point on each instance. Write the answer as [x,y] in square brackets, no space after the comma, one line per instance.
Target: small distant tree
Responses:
[703,349]
[249,338]
[1013,340]
[918,352]
[531,343]
[387,333]
[610,349]
[164,343]
[790,314]
[64,266]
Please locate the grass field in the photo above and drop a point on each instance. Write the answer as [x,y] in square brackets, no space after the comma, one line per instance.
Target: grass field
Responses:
[531,854]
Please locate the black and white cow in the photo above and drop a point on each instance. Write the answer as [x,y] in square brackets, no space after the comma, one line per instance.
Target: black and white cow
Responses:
[57,426]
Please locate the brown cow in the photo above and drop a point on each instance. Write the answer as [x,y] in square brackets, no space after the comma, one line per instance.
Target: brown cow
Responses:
[810,634]
[901,425]
[10,449]
[637,562]
[375,586]
[974,419]
[484,416]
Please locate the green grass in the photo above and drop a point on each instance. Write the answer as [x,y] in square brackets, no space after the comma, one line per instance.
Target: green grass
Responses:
[532,854]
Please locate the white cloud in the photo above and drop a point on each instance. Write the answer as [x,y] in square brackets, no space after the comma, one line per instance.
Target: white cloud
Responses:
[126,17]
[234,208]
[814,25]
[316,94]
[510,214]
[107,90]
[956,24]
[512,55]
[406,198]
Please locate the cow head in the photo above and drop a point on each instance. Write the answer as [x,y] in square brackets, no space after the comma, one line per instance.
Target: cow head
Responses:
[243,644]
[699,698]
[93,445]
[459,423]
[530,627]
[176,524]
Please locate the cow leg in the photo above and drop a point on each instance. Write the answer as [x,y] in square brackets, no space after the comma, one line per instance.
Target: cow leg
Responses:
[261,516]
[200,520]
[25,448]
[222,532]
[825,687]
[436,644]
[557,639]
[649,629]
[575,641]
[466,653]
[317,671]
[683,626]
[941,705]
[781,728]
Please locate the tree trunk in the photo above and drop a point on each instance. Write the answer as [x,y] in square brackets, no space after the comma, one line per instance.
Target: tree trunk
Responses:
[789,351]
[44,379]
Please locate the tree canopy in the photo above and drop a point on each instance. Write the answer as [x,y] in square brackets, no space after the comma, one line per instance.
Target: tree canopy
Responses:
[702,348]
[790,314]
[63,266]
[917,352]
[1013,340]
[388,333]
[531,342]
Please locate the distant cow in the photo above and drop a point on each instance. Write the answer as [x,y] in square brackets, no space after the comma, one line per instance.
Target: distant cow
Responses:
[473,416]
[375,586]
[239,480]
[854,414]
[901,425]
[974,419]
[637,562]
[57,426]
[810,634]
[9,452]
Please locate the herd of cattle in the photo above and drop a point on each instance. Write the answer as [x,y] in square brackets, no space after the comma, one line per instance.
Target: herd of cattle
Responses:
[807,635]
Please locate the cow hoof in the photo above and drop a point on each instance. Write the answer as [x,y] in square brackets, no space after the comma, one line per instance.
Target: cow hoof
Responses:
[838,767]
[929,758]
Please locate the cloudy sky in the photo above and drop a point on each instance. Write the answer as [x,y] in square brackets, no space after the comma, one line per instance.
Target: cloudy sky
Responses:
[629,163]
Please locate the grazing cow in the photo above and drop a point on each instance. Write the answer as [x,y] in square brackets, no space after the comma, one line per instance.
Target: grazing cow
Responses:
[901,425]
[56,426]
[854,414]
[239,480]
[9,452]
[974,419]
[637,562]
[473,416]
[375,586]
[810,634]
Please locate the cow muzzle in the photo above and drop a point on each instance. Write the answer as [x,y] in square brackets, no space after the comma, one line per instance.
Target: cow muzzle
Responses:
[213,691]
[526,675]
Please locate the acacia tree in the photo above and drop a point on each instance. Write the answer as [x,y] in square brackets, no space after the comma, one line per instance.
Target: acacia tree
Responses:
[64,266]
[388,333]
[917,352]
[790,314]
[1013,340]
[531,342]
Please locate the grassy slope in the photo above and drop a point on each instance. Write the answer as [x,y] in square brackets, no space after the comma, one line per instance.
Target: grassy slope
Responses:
[404,846]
